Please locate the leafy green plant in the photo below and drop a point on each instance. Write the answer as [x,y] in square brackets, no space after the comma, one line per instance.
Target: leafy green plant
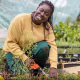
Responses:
[68,56]
[28,45]
[65,32]
[2,57]
[68,76]
[29,42]
[68,50]
[60,57]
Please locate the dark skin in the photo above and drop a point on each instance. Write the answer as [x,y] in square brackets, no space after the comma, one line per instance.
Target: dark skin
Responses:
[39,16]
[53,73]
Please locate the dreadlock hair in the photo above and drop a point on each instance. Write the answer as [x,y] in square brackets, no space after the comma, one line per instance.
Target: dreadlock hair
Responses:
[52,8]
[46,26]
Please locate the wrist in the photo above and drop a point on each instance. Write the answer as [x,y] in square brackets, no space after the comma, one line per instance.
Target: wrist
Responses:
[53,68]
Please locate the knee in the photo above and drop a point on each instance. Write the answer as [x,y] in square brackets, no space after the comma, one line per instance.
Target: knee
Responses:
[46,49]
[44,46]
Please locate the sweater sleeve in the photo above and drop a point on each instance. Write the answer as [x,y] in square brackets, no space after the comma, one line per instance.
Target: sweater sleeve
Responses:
[13,36]
[50,39]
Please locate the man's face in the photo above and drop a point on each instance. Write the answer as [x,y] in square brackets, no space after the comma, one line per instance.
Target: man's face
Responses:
[42,14]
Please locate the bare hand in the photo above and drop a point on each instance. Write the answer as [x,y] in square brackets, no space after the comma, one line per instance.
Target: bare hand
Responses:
[53,73]
[28,62]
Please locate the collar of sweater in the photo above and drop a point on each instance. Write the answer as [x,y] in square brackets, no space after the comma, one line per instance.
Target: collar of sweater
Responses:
[34,25]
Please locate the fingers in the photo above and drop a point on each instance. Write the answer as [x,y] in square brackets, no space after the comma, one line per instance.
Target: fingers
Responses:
[54,75]
[51,75]
[28,61]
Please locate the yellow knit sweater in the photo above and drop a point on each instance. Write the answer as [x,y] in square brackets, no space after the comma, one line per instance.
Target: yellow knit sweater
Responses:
[19,31]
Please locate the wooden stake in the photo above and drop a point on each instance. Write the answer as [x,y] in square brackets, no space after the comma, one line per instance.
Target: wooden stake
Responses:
[62,66]
[79,73]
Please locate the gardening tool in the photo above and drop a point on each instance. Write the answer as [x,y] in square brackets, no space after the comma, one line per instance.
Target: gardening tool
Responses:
[35,67]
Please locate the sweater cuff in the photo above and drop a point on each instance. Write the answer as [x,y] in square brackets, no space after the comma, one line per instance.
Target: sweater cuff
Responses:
[23,57]
[53,64]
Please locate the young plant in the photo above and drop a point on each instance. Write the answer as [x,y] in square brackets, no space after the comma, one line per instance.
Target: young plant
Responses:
[28,44]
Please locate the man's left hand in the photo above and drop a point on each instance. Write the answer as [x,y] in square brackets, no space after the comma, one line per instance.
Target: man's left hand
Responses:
[53,73]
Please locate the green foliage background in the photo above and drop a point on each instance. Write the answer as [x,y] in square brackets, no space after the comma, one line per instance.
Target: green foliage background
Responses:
[66,32]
